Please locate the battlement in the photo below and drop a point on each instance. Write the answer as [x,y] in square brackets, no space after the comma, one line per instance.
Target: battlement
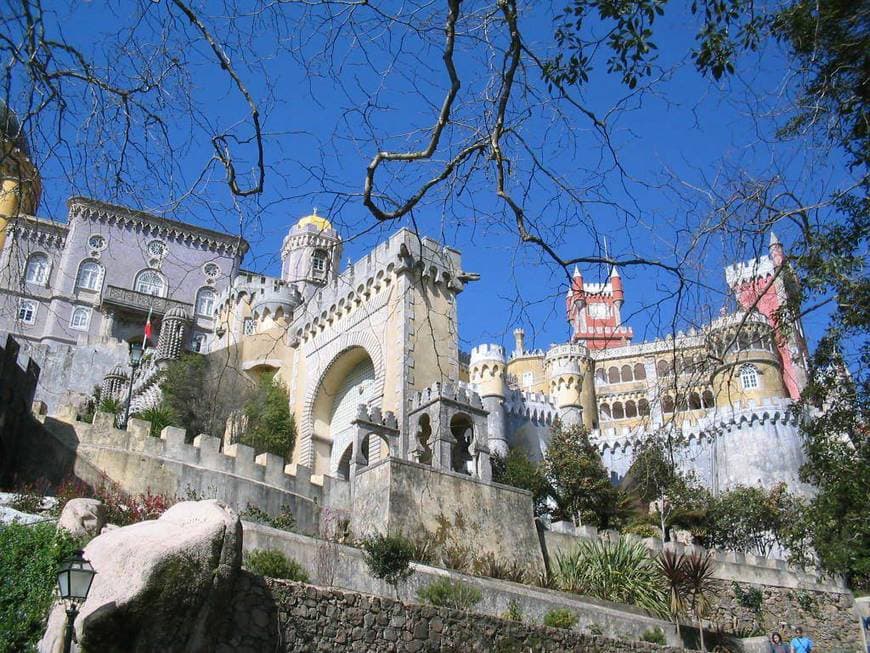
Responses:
[669,343]
[534,405]
[487,352]
[374,416]
[730,565]
[737,320]
[529,353]
[756,268]
[458,392]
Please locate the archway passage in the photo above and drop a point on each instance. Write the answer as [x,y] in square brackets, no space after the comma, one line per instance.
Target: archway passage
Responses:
[348,382]
[462,429]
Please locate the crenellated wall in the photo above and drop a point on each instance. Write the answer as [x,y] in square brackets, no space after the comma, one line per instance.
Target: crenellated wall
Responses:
[169,465]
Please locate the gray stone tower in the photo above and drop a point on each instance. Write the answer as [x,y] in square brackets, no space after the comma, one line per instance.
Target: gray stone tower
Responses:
[310,255]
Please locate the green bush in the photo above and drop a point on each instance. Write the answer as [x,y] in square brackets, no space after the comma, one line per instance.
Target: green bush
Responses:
[446,593]
[618,571]
[108,405]
[274,564]
[654,636]
[643,530]
[751,598]
[159,416]
[389,557]
[29,556]
[560,618]
[284,521]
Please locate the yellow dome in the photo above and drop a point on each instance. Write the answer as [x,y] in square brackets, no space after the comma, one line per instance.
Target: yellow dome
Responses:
[320,222]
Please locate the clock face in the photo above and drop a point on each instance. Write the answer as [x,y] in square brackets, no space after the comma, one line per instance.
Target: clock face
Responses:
[96,242]
[156,248]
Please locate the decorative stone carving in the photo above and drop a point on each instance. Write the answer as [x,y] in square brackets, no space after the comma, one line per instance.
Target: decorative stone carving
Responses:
[172,334]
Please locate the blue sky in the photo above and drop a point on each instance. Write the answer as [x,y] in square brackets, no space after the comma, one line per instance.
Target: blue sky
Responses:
[674,141]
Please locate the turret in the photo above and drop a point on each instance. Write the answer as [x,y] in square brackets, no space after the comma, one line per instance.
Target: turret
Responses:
[569,371]
[519,342]
[487,374]
[171,339]
[310,255]
[616,285]
[749,367]
[20,184]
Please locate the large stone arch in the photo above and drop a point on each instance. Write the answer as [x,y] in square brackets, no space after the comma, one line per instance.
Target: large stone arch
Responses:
[327,368]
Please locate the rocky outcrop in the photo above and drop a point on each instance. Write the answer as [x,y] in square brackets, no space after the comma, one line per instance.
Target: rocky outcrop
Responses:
[83,517]
[161,585]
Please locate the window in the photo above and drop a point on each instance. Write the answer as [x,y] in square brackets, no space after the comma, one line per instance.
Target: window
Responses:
[630,409]
[205,302]
[605,411]
[90,275]
[97,242]
[613,375]
[27,311]
[639,372]
[318,263]
[707,399]
[37,269]
[528,379]
[149,282]
[80,319]
[248,327]
[694,401]
[626,373]
[598,311]
[667,404]
[663,368]
[156,248]
[198,343]
[601,375]
[618,411]
[749,377]
[643,407]
[211,270]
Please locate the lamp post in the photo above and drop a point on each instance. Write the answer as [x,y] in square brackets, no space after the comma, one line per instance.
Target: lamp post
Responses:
[74,578]
[135,359]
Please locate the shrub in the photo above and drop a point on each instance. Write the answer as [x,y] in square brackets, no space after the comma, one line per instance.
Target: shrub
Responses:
[274,564]
[389,557]
[446,593]
[751,598]
[618,571]
[29,556]
[560,618]
[513,612]
[27,501]
[284,521]
[108,405]
[159,416]
[654,636]
[643,530]
[270,424]
[492,567]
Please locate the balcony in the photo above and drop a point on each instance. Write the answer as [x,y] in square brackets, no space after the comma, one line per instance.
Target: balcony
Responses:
[130,299]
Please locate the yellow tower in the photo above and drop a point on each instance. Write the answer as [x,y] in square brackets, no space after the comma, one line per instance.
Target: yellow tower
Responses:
[750,368]
[569,370]
[19,179]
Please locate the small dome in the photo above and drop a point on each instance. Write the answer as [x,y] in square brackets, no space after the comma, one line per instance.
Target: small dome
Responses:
[118,370]
[177,313]
[318,221]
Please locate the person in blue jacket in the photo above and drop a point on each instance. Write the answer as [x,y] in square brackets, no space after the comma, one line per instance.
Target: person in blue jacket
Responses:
[801,643]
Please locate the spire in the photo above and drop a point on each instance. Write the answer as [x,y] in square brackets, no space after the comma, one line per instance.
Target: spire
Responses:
[576,272]
[614,273]
[773,239]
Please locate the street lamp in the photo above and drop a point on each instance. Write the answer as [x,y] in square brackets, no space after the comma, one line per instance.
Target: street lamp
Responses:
[135,359]
[74,578]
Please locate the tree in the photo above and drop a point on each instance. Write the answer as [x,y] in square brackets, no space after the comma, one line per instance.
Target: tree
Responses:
[580,486]
[389,558]
[270,425]
[518,470]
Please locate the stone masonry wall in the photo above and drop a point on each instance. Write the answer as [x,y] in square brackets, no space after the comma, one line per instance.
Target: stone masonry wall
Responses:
[315,619]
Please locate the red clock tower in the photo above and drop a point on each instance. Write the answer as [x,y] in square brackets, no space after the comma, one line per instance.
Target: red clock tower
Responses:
[594,312]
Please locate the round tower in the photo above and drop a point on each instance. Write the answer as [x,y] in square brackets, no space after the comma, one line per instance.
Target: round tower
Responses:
[486,370]
[273,304]
[20,184]
[310,254]
[113,382]
[569,372]
[750,368]
[171,337]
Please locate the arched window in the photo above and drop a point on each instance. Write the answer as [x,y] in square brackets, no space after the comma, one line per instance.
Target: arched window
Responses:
[150,282]
[605,411]
[694,401]
[613,375]
[601,375]
[618,412]
[707,399]
[643,407]
[749,377]
[682,404]
[630,409]
[37,269]
[90,275]
[318,263]
[667,404]
[626,373]
[205,302]
[80,319]
[639,372]
[663,368]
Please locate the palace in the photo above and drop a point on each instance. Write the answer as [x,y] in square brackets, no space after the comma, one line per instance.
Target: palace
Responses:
[370,353]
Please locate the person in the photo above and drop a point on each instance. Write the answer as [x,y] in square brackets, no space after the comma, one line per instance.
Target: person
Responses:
[801,643]
[777,645]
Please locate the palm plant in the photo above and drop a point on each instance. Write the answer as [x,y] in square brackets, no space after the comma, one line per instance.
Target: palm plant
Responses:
[619,571]
[689,581]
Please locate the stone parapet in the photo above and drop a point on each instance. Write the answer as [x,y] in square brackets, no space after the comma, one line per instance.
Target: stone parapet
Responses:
[457,392]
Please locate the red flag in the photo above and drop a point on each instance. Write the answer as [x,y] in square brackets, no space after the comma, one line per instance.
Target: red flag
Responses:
[147,330]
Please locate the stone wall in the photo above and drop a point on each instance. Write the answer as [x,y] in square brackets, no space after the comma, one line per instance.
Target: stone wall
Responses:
[315,619]
[344,567]
[414,499]
[168,465]
[18,379]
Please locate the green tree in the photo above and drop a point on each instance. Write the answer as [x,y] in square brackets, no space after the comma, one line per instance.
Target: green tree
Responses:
[578,480]
[518,470]
[389,558]
[270,425]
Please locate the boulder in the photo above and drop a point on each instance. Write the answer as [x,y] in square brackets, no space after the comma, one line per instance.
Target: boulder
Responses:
[83,517]
[161,585]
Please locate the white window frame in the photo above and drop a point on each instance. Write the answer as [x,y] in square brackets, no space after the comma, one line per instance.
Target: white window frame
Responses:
[199,298]
[319,258]
[44,267]
[79,310]
[749,377]
[137,280]
[25,305]
[98,277]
